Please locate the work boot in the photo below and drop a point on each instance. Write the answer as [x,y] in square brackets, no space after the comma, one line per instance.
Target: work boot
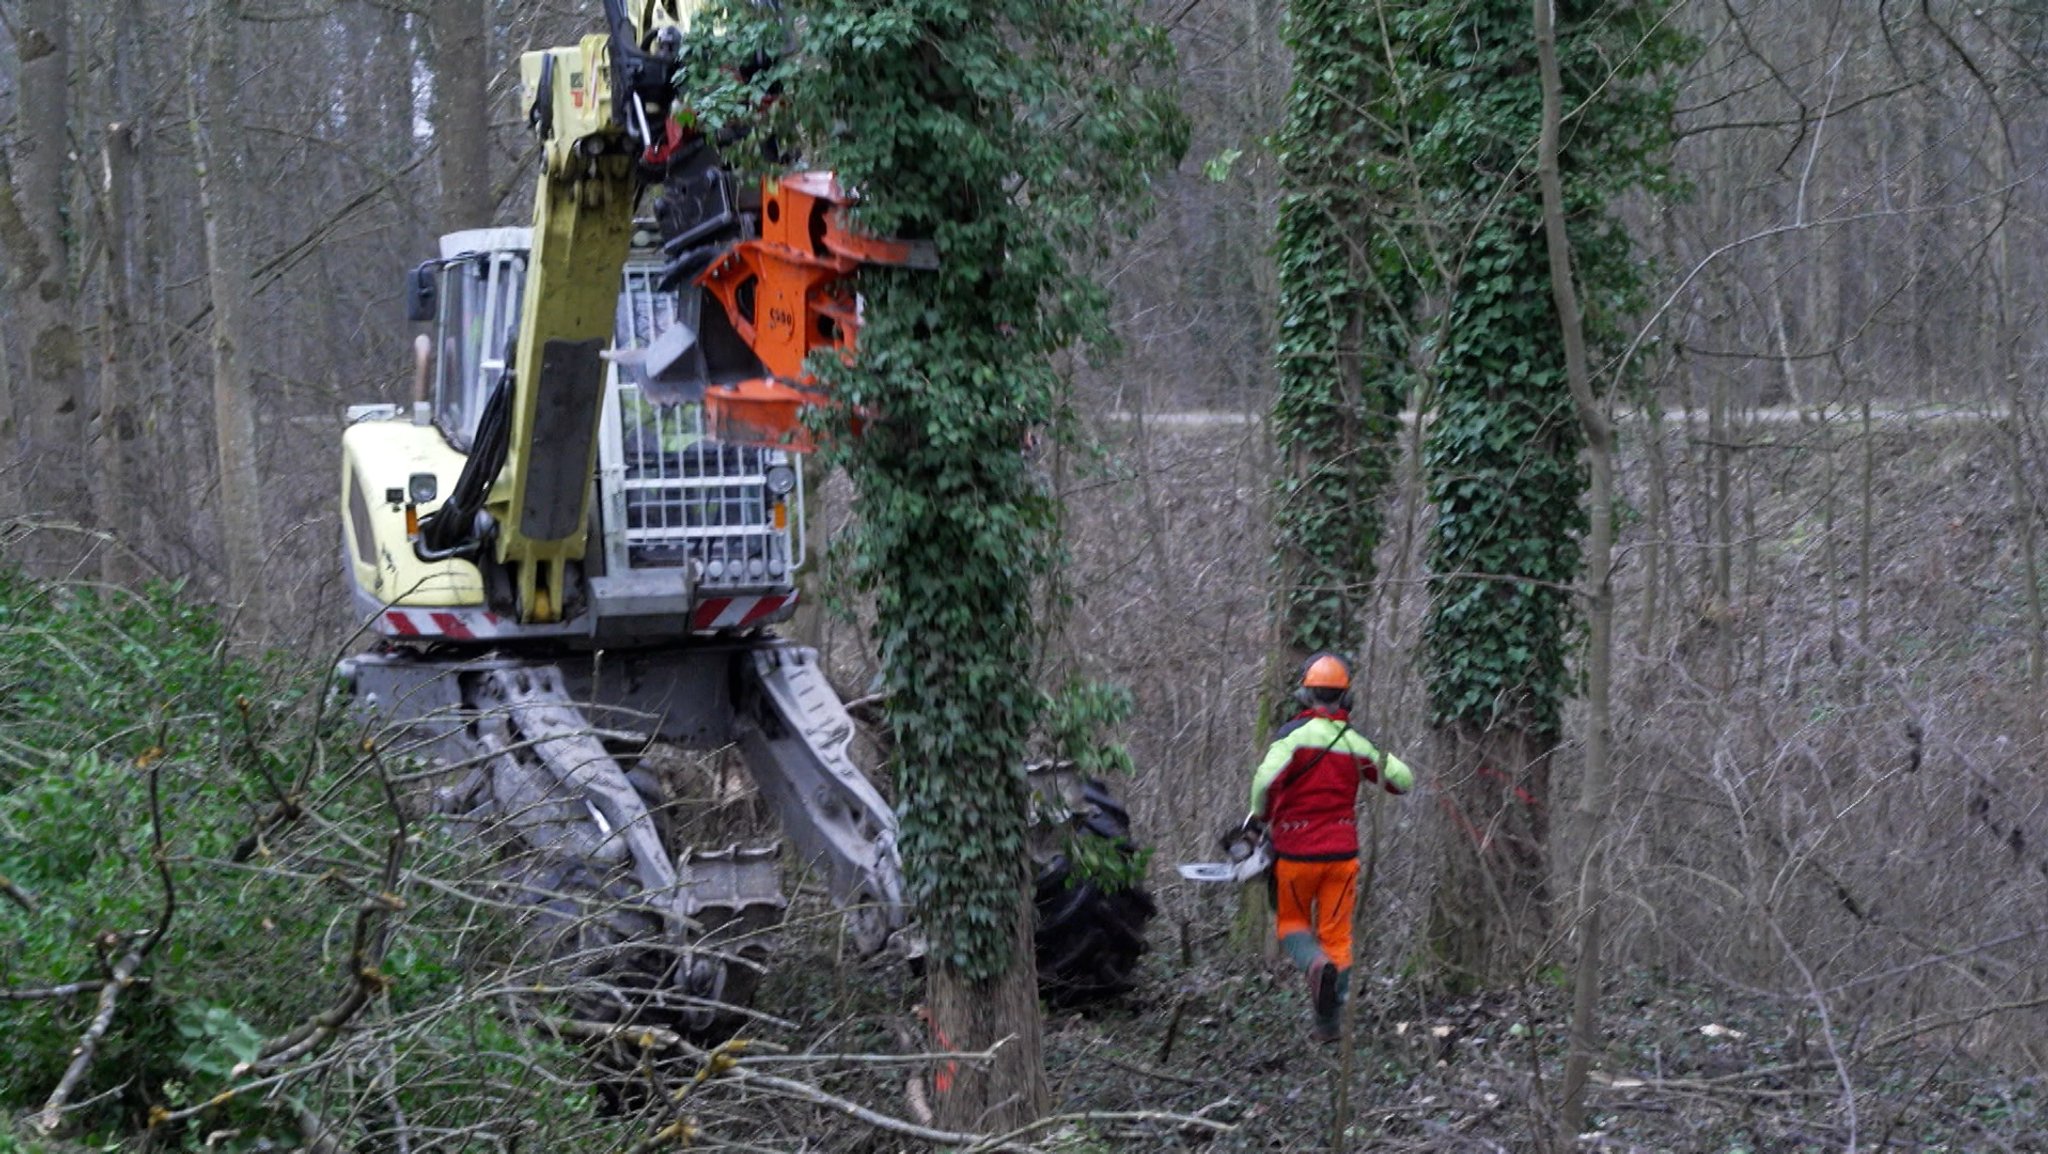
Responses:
[1324,992]
[1302,948]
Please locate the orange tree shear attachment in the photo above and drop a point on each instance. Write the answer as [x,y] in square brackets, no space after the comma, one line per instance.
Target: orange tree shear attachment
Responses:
[787,296]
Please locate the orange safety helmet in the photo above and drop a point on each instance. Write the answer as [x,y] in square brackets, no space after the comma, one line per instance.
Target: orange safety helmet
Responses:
[1326,671]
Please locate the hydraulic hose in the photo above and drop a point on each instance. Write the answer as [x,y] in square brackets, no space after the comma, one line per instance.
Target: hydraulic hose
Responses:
[451,529]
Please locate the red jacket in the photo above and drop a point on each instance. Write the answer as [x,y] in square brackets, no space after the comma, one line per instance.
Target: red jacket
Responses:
[1307,786]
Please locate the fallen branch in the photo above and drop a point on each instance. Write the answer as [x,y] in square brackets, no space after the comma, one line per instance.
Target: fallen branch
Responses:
[44,993]
[735,1070]
[1934,1022]
[1709,1087]
[658,1038]
[644,1037]
[88,1042]
[18,895]
[123,974]
[1006,1141]
[1162,1075]
[873,1118]
[281,814]
[159,1116]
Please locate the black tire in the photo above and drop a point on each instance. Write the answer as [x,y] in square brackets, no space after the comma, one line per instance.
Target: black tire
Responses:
[1090,936]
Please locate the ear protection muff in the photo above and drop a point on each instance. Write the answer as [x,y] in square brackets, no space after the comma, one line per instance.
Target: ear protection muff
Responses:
[1307,698]
[1323,671]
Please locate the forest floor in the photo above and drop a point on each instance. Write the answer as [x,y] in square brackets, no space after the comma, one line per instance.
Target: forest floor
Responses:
[1223,1036]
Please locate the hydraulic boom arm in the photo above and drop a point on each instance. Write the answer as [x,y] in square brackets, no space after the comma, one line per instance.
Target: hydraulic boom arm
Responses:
[593,106]
[777,274]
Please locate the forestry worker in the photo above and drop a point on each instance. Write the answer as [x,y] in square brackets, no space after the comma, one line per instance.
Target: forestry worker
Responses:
[1306,791]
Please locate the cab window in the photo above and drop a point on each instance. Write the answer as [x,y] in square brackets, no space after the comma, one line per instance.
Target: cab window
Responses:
[479,308]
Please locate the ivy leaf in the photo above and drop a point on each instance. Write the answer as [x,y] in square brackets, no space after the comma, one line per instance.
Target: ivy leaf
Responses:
[1217,168]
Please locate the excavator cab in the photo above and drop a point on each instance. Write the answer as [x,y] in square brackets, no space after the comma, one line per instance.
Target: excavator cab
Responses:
[475,299]
[687,535]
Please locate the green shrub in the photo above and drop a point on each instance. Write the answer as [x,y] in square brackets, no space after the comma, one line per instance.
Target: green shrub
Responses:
[136,750]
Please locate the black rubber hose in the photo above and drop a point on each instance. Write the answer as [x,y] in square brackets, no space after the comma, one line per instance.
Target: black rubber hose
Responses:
[453,525]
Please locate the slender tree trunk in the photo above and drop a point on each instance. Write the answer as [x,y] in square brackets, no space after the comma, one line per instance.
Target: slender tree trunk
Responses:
[2006,339]
[213,117]
[1596,791]
[114,425]
[461,111]
[1866,532]
[1658,550]
[14,239]
[1721,532]
[162,514]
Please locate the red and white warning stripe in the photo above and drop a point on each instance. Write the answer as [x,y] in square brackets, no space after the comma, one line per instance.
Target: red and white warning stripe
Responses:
[718,613]
[455,624]
[711,615]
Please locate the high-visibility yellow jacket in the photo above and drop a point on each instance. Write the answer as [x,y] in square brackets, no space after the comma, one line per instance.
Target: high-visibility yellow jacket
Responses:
[1306,788]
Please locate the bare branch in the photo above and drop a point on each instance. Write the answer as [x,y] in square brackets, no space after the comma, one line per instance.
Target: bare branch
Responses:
[17,895]
[366,954]
[45,993]
[123,974]
[52,1115]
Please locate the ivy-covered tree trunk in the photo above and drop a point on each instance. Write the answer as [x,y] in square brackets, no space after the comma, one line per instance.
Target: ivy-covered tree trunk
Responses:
[1007,133]
[1502,457]
[1340,356]
[1342,347]
[954,535]
[1502,452]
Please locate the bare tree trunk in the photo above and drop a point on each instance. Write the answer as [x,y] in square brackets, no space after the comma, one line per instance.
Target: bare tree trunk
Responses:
[161,516]
[1866,533]
[215,36]
[13,454]
[1489,911]
[1721,532]
[113,427]
[461,111]
[50,404]
[1658,550]
[1010,1091]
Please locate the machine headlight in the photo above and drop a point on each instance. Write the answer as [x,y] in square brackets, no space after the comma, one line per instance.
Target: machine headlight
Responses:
[422,487]
[780,480]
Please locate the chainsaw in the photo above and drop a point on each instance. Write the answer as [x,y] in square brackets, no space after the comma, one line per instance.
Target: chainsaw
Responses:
[1248,849]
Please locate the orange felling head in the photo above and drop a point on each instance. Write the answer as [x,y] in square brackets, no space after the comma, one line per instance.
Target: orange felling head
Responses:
[1326,672]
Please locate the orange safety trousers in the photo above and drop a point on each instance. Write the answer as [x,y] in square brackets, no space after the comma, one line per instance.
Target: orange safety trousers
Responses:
[1317,897]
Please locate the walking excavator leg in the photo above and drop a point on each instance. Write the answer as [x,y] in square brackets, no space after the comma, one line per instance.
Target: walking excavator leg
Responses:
[645,931]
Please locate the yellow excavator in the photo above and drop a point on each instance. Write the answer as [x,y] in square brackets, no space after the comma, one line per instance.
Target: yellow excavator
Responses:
[571,543]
